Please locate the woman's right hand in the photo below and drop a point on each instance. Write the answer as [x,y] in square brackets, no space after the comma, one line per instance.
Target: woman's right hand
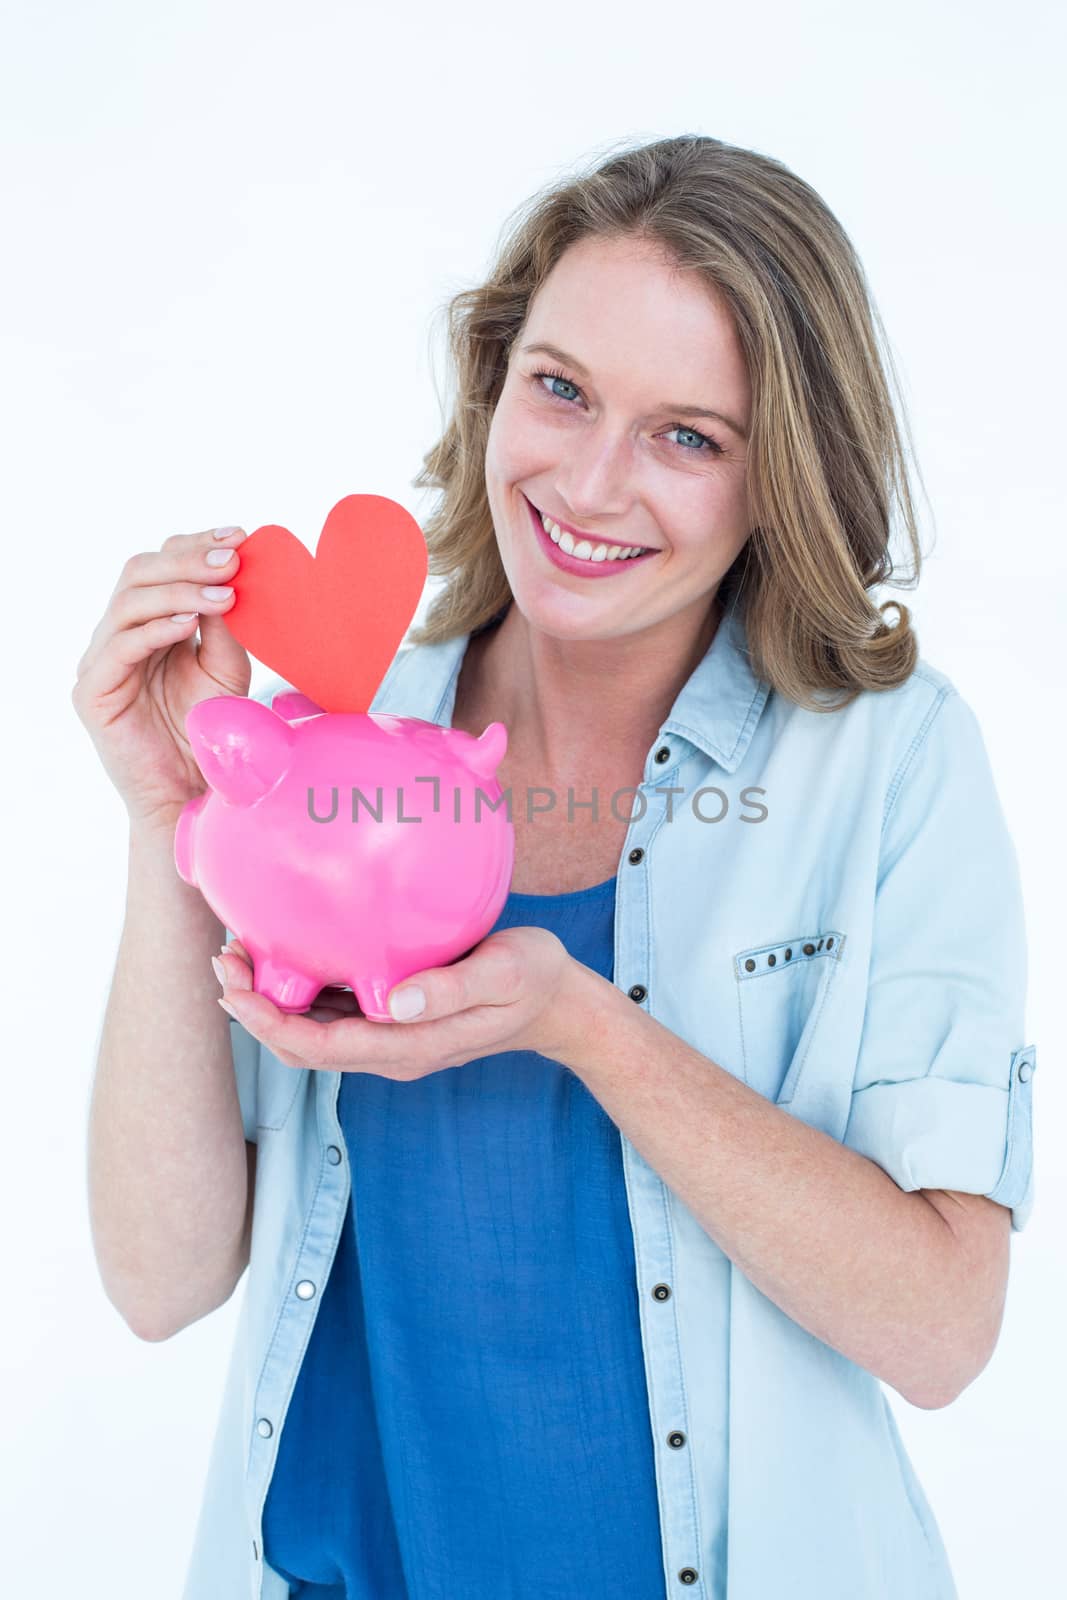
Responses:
[143,672]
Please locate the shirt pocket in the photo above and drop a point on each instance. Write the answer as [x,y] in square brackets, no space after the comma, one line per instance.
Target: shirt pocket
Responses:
[781,994]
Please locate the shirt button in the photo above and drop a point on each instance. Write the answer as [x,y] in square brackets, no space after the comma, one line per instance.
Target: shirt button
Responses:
[688,1575]
[264,1428]
[663,754]
[635,856]
[676,1440]
[1025,1070]
[661,1291]
[304,1289]
[638,992]
[333,1155]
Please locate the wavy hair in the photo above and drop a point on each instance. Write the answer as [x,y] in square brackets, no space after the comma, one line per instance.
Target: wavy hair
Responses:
[826,465]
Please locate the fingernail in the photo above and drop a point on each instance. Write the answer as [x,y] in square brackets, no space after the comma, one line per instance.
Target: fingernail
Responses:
[407,1003]
[220,970]
[224,533]
[226,1006]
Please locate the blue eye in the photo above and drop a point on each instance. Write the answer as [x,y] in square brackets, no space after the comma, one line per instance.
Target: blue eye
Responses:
[675,427]
[557,377]
[679,427]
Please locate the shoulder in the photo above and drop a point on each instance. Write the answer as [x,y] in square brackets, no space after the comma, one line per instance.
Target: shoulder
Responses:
[924,722]
[904,713]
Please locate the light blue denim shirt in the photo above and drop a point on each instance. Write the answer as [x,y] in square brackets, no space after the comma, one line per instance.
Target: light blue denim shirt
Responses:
[826,904]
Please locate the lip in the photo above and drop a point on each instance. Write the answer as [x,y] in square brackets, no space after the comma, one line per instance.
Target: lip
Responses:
[582,569]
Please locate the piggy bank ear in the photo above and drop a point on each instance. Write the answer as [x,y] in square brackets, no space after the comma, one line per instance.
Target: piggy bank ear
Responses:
[242,748]
[292,705]
[485,753]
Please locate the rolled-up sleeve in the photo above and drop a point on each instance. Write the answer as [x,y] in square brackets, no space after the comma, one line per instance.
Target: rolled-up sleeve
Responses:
[943,1083]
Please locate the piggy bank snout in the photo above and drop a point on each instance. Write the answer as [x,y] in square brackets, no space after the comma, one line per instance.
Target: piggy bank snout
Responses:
[241,746]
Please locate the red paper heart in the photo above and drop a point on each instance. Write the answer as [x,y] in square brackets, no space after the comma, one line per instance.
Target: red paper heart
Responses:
[331,623]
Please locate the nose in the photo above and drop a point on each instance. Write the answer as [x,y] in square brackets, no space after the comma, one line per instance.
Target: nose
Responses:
[594,478]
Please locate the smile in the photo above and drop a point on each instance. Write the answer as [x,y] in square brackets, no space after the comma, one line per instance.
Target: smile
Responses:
[582,556]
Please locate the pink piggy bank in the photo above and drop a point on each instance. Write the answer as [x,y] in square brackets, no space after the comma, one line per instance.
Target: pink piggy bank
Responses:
[344,847]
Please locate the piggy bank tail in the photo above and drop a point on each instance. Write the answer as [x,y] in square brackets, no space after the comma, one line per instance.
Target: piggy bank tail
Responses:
[185,839]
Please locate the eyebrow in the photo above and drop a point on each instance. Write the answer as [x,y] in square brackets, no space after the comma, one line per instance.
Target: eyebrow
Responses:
[689,411]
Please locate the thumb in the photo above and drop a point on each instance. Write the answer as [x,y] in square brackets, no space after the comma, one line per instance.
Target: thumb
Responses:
[221,656]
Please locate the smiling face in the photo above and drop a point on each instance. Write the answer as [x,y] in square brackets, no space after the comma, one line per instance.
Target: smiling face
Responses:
[610,443]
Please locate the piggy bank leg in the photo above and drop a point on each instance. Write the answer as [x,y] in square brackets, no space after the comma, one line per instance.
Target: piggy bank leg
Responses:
[372,994]
[288,990]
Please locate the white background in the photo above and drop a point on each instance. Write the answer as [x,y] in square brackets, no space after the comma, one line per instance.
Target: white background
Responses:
[227,229]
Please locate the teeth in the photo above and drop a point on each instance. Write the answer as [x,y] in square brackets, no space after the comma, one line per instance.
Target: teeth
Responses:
[586,551]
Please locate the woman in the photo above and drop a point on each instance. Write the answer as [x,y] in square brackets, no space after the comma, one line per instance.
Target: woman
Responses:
[581,1278]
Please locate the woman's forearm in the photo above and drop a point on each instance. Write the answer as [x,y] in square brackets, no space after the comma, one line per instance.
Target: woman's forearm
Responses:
[167,1162]
[868,1268]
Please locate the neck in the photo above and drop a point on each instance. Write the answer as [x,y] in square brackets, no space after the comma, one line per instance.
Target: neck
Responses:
[571,705]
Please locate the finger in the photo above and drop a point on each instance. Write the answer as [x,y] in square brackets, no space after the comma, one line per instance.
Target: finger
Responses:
[352,1043]
[179,556]
[226,536]
[490,976]
[154,587]
[107,667]
[208,593]
[238,969]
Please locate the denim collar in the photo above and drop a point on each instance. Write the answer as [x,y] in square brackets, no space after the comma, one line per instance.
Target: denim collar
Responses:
[716,710]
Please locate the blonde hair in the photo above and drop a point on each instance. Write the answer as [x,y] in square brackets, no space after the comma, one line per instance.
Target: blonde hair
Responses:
[825,462]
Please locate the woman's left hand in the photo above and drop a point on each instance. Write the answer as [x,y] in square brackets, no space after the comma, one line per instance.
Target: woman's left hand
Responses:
[517,990]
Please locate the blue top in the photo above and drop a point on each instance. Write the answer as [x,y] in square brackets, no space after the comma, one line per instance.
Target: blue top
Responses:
[471,1415]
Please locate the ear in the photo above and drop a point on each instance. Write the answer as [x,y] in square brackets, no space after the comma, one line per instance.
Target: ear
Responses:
[241,746]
